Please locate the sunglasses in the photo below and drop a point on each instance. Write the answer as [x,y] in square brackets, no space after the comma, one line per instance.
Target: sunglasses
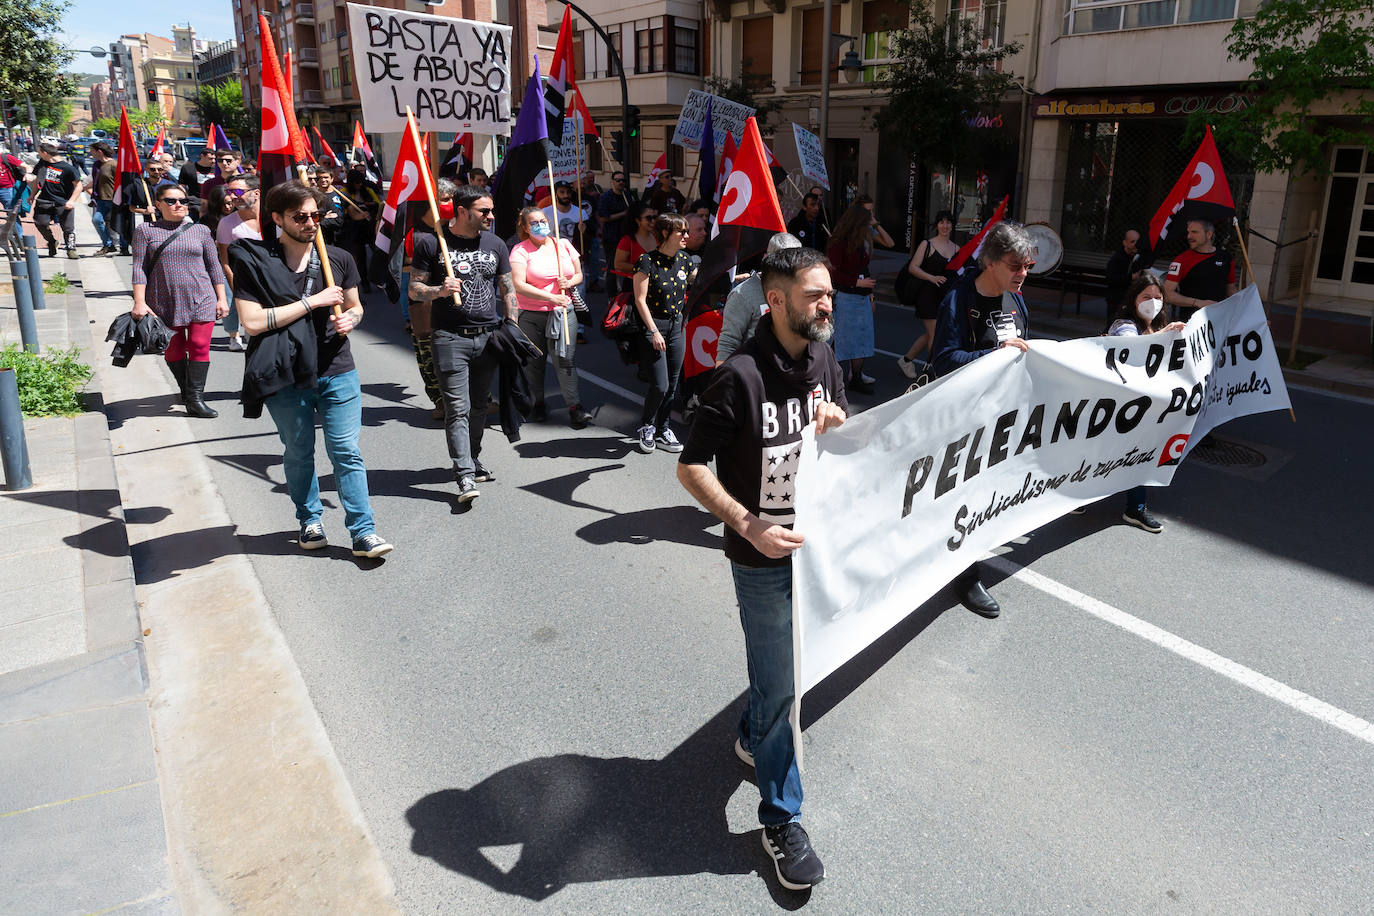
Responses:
[172,201]
[485,211]
[236,192]
[225,159]
[300,219]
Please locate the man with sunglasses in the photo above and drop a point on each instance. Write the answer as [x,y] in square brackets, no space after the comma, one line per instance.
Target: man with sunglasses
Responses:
[333,204]
[462,328]
[983,313]
[227,165]
[192,174]
[244,223]
[277,284]
[612,213]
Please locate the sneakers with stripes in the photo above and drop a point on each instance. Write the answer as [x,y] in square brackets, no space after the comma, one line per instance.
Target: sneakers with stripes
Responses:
[794,860]
[371,546]
[312,537]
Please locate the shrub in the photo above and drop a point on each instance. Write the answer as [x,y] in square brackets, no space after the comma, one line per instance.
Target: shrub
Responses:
[50,384]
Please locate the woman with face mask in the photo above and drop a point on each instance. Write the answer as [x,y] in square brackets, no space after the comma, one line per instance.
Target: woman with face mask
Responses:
[545,271]
[1141,312]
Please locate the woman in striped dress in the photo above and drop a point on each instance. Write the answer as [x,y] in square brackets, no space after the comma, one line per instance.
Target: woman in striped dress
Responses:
[184,286]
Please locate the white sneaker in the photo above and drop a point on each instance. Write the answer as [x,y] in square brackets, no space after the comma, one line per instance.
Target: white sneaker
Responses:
[908,366]
[866,378]
[236,344]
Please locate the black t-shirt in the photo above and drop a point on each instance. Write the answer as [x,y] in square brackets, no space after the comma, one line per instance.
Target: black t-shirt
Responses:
[335,355]
[190,178]
[477,262]
[56,181]
[1203,276]
[669,280]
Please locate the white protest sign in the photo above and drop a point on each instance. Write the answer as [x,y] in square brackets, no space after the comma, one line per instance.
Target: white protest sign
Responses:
[453,73]
[812,158]
[565,158]
[726,117]
[903,497]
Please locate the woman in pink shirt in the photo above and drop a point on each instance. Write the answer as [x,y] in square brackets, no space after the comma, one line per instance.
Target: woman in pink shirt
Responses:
[545,272]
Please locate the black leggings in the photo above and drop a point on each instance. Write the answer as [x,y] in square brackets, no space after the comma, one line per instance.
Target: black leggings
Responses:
[666,370]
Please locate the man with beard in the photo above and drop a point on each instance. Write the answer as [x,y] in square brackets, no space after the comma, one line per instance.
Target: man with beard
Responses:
[750,421]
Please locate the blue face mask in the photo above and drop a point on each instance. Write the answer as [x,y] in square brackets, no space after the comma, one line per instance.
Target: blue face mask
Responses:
[539,230]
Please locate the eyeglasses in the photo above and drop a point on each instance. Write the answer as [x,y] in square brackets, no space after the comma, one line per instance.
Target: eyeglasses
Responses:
[236,192]
[300,219]
[225,159]
[1015,266]
[172,201]
[485,211]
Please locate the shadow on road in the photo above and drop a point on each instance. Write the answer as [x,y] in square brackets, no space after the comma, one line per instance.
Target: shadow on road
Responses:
[579,819]
[604,448]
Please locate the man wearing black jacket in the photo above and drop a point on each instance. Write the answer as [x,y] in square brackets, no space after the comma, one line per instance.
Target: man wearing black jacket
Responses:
[276,284]
[750,421]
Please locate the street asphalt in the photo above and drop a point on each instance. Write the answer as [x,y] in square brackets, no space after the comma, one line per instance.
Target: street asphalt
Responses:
[535,700]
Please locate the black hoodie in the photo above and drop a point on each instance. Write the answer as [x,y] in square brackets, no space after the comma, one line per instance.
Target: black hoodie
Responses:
[751,419]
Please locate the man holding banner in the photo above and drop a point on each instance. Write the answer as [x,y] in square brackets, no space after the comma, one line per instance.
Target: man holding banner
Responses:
[750,421]
[978,316]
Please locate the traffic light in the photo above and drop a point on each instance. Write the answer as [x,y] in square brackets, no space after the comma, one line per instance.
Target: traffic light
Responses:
[618,145]
[152,94]
[632,124]
[10,110]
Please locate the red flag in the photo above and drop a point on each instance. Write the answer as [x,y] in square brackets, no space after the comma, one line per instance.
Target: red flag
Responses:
[974,246]
[281,135]
[749,198]
[288,80]
[659,167]
[407,183]
[588,125]
[703,338]
[128,154]
[324,146]
[727,163]
[1201,191]
[157,149]
[559,81]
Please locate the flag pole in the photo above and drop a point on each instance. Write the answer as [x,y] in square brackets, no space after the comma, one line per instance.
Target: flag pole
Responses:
[1250,272]
[558,251]
[301,173]
[429,194]
[572,103]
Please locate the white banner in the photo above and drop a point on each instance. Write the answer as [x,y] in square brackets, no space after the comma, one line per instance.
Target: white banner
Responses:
[812,158]
[727,117]
[901,498]
[453,73]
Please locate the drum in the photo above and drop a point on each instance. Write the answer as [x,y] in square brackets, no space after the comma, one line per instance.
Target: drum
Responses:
[1049,248]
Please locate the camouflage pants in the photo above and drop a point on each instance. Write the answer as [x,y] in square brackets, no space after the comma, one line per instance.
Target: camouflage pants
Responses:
[424,358]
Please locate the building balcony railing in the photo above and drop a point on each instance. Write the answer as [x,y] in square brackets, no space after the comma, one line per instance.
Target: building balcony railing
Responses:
[343,41]
[1087,16]
[308,56]
[305,12]
[312,97]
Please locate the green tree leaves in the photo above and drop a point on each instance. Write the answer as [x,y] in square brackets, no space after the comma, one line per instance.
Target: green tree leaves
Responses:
[31,55]
[223,105]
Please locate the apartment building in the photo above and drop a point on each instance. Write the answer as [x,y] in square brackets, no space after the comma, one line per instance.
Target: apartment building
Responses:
[126,67]
[325,64]
[218,63]
[169,79]
[99,101]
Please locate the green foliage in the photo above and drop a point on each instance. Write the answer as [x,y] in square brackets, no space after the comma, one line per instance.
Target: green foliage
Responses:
[109,125]
[53,113]
[223,105]
[31,55]
[941,76]
[747,92]
[58,284]
[148,119]
[1306,55]
[49,384]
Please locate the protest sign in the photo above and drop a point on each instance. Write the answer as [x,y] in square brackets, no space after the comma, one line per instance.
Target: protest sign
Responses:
[727,117]
[453,73]
[812,158]
[903,497]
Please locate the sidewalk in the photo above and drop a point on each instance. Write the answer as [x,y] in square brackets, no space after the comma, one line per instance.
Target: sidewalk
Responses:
[1345,373]
[81,822]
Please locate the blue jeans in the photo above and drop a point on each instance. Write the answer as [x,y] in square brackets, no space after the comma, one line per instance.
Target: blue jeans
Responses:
[339,401]
[765,613]
[465,368]
[1135,499]
[7,196]
[99,216]
[231,317]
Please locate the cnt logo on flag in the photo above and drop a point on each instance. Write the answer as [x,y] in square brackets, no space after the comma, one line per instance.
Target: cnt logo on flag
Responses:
[1173,450]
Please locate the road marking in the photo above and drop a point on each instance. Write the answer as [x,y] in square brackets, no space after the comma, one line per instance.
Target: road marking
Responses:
[1246,677]
[77,798]
[612,387]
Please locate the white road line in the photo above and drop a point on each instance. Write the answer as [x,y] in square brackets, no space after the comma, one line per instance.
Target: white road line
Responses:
[612,387]
[1246,677]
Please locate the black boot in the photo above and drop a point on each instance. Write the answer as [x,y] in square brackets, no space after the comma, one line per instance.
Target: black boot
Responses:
[974,595]
[179,373]
[195,391]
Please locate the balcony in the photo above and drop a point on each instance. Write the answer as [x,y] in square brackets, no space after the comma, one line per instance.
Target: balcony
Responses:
[305,12]
[308,57]
[343,41]
[311,98]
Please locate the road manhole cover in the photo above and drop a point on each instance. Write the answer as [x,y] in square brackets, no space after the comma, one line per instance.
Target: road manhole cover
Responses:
[1224,453]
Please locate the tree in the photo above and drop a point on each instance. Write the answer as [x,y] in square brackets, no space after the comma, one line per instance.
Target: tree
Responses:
[941,76]
[746,92]
[223,105]
[147,119]
[53,114]
[109,125]
[31,55]
[1309,58]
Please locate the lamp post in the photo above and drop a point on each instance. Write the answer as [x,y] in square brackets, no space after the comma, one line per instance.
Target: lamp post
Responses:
[851,65]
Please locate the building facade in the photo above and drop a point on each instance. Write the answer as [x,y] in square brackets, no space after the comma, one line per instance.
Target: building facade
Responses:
[126,67]
[99,102]
[218,63]
[169,81]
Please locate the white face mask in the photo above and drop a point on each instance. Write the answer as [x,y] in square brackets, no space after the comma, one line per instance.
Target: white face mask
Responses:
[1149,308]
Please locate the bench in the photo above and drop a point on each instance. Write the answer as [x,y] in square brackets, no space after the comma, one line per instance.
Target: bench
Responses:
[1082,271]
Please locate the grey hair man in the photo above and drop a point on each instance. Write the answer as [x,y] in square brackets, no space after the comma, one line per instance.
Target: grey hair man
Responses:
[981,314]
[746,303]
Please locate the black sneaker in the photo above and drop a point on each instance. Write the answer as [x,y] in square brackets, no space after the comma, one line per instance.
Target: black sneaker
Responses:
[578,418]
[794,860]
[467,490]
[645,440]
[539,413]
[371,546]
[52,249]
[312,537]
[667,441]
[482,475]
[1143,520]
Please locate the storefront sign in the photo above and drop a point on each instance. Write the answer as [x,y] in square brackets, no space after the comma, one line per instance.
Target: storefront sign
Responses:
[1140,105]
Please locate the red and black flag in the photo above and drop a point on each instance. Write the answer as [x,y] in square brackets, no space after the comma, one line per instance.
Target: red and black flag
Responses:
[527,156]
[1201,192]
[560,79]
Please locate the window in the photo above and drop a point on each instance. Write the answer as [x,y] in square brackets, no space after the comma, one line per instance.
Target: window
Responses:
[346,69]
[594,57]
[684,45]
[756,60]
[649,45]
[881,19]
[811,44]
[988,18]
[1086,16]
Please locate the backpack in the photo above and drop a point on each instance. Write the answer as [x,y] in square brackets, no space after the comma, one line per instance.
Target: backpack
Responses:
[621,318]
[13,171]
